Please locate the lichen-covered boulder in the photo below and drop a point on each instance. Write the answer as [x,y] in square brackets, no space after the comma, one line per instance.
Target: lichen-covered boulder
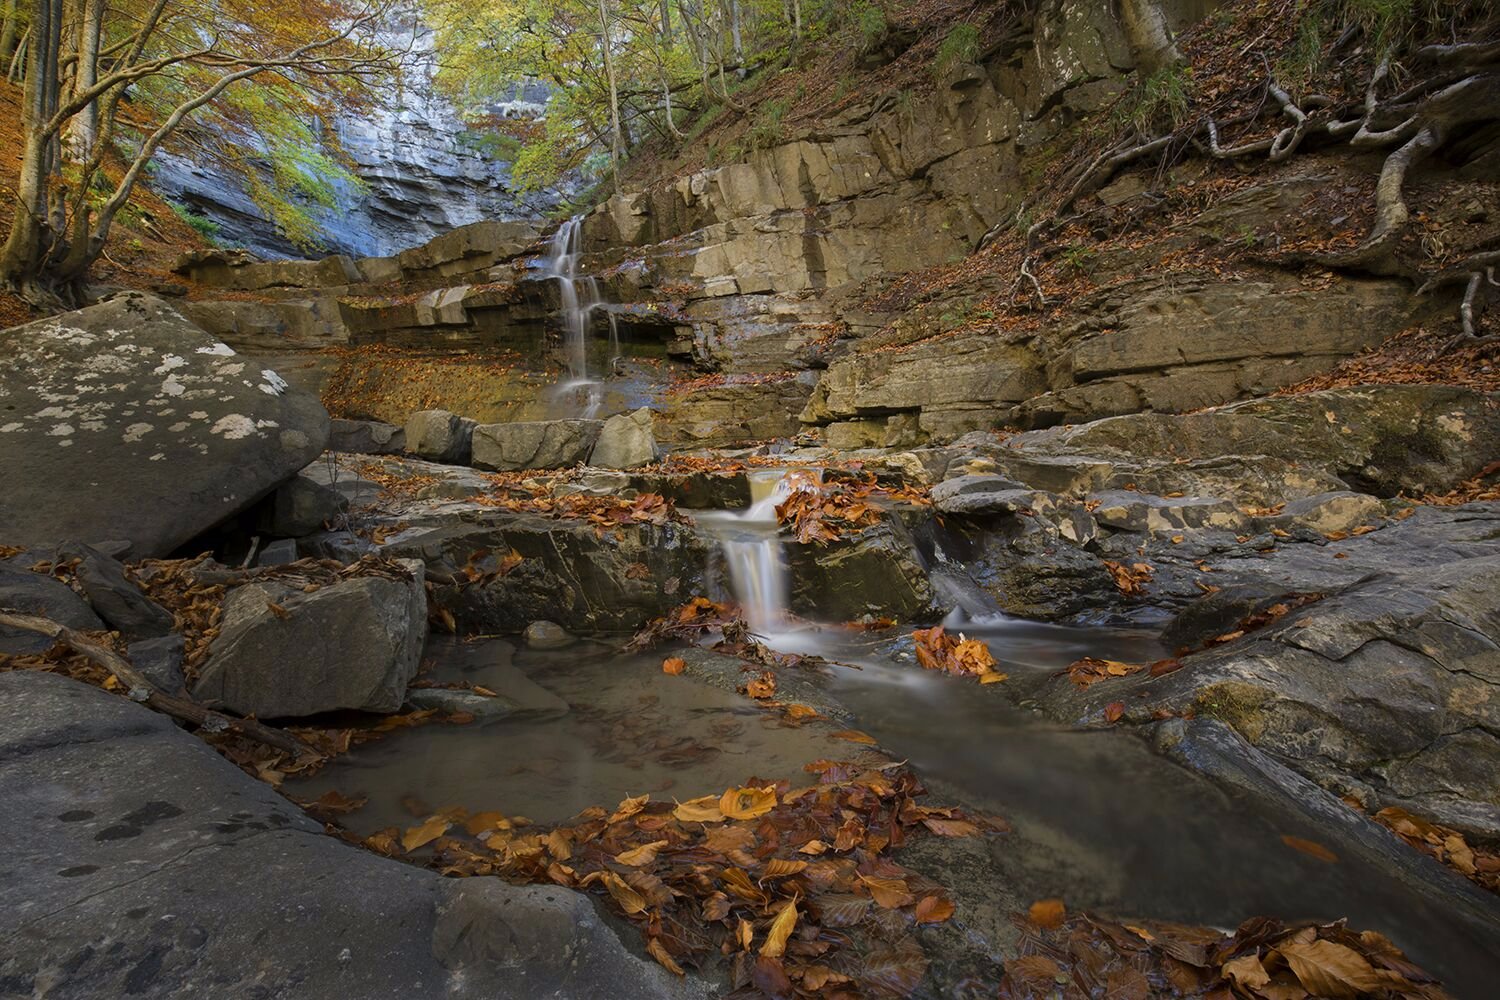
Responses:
[440,436]
[124,421]
[625,441]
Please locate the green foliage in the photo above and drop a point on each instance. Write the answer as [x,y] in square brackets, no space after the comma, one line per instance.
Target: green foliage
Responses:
[960,45]
[1164,98]
[869,23]
[490,143]
[205,227]
[1079,257]
[1299,63]
[766,130]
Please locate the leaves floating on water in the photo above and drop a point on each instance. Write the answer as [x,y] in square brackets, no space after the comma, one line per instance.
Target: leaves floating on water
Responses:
[854,736]
[673,665]
[1311,848]
[937,649]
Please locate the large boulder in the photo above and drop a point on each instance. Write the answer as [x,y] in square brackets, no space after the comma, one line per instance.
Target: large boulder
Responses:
[281,652]
[124,421]
[440,436]
[625,441]
[123,605]
[1389,691]
[542,444]
[139,862]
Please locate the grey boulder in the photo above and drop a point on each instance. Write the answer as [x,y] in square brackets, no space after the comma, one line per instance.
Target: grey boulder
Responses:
[123,606]
[541,444]
[625,441]
[366,437]
[34,594]
[132,423]
[301,506]
[440,436]
[350,645]
[141,863]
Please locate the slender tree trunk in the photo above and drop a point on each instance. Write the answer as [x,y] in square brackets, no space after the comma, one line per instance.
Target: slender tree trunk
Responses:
[616,147]
[84,127]
[666,22]
[9,32]
[31,234]
[739,42]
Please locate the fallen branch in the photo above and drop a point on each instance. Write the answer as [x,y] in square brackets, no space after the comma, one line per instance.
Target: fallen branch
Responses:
[140,689]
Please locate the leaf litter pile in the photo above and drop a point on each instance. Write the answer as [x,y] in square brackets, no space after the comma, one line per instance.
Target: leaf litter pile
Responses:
[1265,959]
[793,889]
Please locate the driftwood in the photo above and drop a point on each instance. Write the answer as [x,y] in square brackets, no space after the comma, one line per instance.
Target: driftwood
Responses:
[142,690]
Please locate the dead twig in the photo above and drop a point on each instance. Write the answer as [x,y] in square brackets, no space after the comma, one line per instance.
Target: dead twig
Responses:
[140,689]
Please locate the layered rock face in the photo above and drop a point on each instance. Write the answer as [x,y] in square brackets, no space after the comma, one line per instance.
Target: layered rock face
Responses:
[421,172]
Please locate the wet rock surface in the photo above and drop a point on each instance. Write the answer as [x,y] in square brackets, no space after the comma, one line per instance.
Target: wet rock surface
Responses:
[145,872]
[135,425]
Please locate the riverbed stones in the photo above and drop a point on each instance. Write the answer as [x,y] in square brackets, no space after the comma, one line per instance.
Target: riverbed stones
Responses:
[137,865]
[625,441]
[1126,510]
[546,635]
[366,437]
[544,444]
[133,424]
[35,594]
[124,606]
[1330,513]
[440,436]
[350,645]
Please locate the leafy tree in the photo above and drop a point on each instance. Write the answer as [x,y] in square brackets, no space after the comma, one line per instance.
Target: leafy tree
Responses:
[110,83]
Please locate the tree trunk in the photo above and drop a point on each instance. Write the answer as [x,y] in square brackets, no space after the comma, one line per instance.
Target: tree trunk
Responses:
[1150,39]
[83,130]
[9,32]
[739,42]
[31,235]
[616,146]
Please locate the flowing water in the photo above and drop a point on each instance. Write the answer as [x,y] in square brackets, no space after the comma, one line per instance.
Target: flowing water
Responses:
[1099,818]
[580,297]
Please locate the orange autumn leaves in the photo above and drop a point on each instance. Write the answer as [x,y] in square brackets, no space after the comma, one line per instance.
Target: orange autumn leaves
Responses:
[938,650]
[794,887]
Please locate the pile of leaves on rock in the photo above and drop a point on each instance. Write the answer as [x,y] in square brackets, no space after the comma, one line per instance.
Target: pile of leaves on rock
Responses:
[794,889]
[1265,959]
[937,649]
[823,512]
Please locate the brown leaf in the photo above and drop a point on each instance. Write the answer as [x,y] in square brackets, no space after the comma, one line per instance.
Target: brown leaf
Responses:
[655,949]
[933,909]
[424,833]
[1113,711]
[638,856]
[889,893]
[673,665]
[854,736]
[1048,913]
[747,803]
[1246,972]
[781,929]
[630,901]
[700,810]
[1328,969]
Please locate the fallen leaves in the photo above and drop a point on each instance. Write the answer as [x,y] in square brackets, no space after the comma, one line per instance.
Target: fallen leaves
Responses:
[1091,670]
[854,736]
[1311,848]
[936,649]
[824,512]
[1480,865]
[673,665]
[1129,580]
[794,887]
[1263,960]
[425,833]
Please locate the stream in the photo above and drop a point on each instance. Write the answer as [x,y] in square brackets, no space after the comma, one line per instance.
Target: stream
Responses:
[1099,819]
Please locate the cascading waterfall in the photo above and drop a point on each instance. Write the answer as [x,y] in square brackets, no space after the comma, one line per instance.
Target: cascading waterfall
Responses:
[753,552]
[580,297]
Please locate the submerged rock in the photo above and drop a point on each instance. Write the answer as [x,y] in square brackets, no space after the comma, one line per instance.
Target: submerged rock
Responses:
[131,423]
[546,635]
[353,644]
[138,861]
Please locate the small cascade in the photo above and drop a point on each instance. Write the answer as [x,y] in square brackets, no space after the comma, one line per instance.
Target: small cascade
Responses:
[752,550]
[580,297]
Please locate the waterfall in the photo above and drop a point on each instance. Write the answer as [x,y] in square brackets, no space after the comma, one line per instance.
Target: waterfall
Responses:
[753,552]
[580,297]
